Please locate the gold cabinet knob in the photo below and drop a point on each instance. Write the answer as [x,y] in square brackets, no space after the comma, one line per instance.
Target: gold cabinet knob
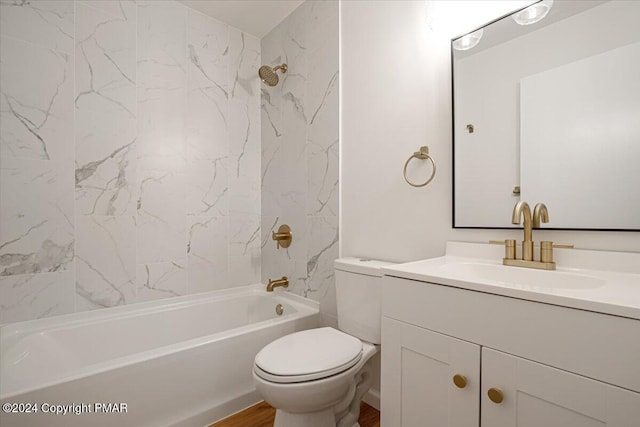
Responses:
[460,380]
[495,394]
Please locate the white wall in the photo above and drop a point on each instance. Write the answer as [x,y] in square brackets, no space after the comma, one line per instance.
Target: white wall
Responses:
[396,89]
[395,98]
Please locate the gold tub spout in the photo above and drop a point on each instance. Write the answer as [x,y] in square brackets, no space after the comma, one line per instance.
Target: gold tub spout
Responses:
[284,282]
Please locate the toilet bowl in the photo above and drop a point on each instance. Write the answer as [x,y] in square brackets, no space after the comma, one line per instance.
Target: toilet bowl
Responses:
[317,377]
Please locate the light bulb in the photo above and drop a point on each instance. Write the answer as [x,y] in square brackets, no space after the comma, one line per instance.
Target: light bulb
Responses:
[468,41]
[533,13]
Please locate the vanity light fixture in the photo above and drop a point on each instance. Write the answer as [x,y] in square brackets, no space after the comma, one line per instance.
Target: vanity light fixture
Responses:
[468,41]
[534,13]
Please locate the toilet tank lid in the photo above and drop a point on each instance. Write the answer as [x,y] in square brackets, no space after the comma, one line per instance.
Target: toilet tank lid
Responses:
[370,267]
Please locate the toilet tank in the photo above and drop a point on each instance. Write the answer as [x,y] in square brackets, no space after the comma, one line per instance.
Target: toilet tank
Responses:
[358,290]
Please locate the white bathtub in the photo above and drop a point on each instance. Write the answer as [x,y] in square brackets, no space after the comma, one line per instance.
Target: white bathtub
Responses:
[180,362]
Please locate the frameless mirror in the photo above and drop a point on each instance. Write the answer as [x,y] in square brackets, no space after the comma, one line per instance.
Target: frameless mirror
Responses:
[547,109]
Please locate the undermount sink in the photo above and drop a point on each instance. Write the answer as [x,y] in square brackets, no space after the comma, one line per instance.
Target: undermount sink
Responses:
[520,277]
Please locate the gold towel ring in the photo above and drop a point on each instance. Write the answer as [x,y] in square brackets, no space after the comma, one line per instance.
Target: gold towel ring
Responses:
[423,154]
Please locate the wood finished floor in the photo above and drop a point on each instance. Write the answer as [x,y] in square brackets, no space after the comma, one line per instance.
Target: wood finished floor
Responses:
[263,414]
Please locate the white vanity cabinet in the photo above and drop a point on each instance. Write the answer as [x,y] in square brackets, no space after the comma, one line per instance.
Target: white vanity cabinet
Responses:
[418,367]
[537,395]
[553,366]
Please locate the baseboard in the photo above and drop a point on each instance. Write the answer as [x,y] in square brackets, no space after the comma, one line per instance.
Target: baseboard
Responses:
[372,398]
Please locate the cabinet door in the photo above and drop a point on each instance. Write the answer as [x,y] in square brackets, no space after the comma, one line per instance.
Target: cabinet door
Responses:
[418,367]
[537,395]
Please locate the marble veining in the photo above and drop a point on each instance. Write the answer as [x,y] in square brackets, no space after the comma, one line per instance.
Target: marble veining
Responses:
[44,22]
[105,271]
[106,184]
[330,88]
[35,124]
[300,146]
[208,253]
[195,60]
[92,298]
[267,113]
[244,125]
[245,237]
[161,280]
[105,103]
[323,249]
[129,140]
[248,55]
[161,224]
[49,257]
[142,158]
[208,187]
[244,248]
[36,223]
[34,296]
[105,61]
[323,178]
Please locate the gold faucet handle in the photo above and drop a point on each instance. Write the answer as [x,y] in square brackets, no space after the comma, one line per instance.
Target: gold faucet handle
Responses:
[546,249]
[509,247]
[563,245]
[545,244]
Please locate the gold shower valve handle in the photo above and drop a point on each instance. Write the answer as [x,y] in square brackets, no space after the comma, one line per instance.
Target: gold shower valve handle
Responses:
[283,237]
[460,380]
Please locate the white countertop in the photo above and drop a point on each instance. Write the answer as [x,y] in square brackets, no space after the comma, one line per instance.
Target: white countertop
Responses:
[611,279]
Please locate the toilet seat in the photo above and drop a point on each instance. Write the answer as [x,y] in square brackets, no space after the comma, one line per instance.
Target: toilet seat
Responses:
[308,355]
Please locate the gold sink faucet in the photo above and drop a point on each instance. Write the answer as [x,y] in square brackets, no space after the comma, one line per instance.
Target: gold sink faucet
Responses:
[521,209]
[284,282]
[540,215]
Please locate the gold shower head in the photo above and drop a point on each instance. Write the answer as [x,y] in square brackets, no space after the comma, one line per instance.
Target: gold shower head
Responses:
[269,76]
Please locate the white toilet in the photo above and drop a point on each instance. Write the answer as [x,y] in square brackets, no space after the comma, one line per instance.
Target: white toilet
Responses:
[317,377]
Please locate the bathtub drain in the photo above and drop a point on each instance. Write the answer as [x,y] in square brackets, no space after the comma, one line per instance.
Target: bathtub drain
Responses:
[279,309]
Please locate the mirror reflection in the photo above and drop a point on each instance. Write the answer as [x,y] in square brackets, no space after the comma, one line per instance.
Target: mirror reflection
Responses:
[547,109]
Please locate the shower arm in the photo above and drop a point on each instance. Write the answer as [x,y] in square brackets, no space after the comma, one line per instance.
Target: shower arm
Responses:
[282,67]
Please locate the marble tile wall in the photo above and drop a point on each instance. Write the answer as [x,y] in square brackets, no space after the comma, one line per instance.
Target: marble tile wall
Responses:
[300,142]
[129,155]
